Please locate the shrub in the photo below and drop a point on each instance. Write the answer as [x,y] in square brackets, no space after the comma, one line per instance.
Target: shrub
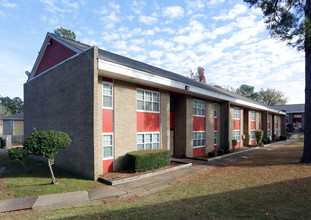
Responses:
[259,136]
[274,137]
[283,138]
[265,141]
[140,161]
[269,140]
[45,144]
[227,151]
[220,152]
[234,143]
[211,154]
[18,153]
[288,135]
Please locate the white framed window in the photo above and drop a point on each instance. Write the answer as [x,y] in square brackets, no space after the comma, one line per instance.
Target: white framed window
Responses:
[269,134]
[253,136]
[276,119]
[148,101]
[260,121]
[198,139]
[198,108]
[107,95]
[236,135]
[276,132]
[215,137]
[253,116]
[236,113]
[269,117]
[148,141]
[215,110]
[107,146]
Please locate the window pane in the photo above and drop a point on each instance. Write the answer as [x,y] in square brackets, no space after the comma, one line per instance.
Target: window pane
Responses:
[194,143]
[148,96]
[148,146]
[156,146]
[155,97]
[140,138]
[107,89]
[107,151]
[155,107]
[140,146]
[148,106]
[148,138]
[140,95]
[107,101]
[140,105]
[107,140]
[156,138]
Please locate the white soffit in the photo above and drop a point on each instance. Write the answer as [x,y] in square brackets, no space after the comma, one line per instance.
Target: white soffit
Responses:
[158,80]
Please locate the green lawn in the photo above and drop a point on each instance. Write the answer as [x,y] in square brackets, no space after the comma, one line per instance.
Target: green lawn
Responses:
[37,181]
[270,185]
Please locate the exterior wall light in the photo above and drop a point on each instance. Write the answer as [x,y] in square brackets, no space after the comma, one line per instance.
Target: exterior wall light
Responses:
[49,42]
[187,87]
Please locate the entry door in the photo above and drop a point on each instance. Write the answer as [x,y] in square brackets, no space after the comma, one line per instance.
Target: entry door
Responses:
[172,141]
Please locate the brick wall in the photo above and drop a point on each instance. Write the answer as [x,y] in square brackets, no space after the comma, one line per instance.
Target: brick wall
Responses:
[125,121]
[209,126]
[165,119]
[63,99]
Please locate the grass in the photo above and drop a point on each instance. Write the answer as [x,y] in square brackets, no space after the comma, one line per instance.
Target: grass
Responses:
[37,181]
[269,185]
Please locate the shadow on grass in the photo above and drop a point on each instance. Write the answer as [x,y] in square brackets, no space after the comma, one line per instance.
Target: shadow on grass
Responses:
[37,169]
[282,200]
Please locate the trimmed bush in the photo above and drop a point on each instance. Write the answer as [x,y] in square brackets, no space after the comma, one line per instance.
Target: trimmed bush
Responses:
[220,152]
[288,135]
[144,160]
[211,154]
[265,141]
[275,138]
[259,136]
[269,140]
[283,138]
[227,151]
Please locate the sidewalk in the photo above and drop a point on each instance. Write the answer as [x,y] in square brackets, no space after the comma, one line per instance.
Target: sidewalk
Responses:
[136,188]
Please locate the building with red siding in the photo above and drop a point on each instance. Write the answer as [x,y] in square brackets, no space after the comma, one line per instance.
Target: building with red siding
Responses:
[295,115]
[110,105]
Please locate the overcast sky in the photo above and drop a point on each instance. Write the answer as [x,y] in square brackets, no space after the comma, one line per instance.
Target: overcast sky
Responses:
[227,38]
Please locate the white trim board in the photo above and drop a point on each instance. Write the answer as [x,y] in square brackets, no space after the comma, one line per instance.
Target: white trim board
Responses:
[121,70]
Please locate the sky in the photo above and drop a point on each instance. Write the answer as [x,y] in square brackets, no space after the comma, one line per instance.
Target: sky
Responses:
[226,37]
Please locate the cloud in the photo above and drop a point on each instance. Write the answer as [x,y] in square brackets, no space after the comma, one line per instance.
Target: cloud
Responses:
[233,13]
[7,4]
[173,12]
[137,7]
[3,15]
[148,20]
[215,2]
[193,6]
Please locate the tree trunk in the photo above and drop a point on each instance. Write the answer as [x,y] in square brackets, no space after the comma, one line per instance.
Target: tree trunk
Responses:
[54,181]
[306,156]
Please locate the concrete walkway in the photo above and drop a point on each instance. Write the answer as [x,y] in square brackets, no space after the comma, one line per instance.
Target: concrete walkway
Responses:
[136,188]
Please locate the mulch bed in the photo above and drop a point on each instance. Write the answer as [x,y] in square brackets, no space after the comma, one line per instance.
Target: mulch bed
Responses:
[118,175]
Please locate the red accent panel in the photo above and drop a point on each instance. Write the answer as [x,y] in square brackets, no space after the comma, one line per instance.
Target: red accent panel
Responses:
[198,151]
[107,79]
[276,125]
[215,148]
[148,121]
[107,166]
[269,125]
[253,125]
[172,120]
[236,125]
[286,120]
[147,87]
[107,120]
[53,55]
[215,124]
[237,145]
[253,141]
[198,123]
[295,120]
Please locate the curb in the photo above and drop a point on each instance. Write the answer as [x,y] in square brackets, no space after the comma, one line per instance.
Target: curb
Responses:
[116,182]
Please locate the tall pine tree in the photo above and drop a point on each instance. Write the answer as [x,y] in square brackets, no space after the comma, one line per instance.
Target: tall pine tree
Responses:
[289,20]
